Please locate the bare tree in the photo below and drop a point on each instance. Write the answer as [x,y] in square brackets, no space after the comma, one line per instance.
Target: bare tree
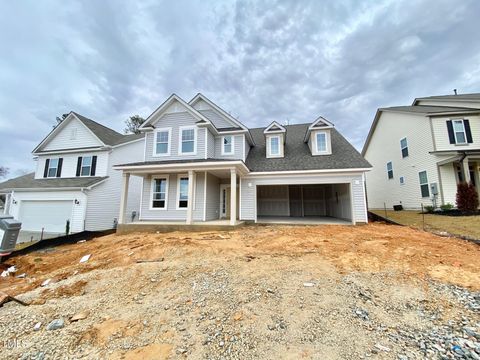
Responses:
[4,171]
[133,123]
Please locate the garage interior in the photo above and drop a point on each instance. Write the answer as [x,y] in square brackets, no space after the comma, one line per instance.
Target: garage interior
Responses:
[304,204]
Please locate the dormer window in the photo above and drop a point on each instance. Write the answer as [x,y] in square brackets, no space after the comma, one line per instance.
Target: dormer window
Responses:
[318,137]
[275,145]
[227,145]
[321,142]
[274,140]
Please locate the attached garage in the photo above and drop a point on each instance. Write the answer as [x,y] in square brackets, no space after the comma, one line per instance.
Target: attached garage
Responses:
[49,215]
[301,201]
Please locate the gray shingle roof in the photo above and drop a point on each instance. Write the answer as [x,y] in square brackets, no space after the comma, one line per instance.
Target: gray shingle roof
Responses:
[106,135]
[473,96]
[29,182]
[426,109]
[298,155]
[166,162]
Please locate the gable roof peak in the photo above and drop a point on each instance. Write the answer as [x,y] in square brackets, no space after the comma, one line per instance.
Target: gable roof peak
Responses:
[274,127]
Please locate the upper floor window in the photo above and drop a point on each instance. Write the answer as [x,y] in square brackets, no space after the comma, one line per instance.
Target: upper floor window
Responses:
[187,140]
[86,165]
[162,142]
[459,131]
[321,140]
[404,147]
[227,145]
[182,192]
[424,184]
[53,168]
[159,193]
[390,170]
[274,145]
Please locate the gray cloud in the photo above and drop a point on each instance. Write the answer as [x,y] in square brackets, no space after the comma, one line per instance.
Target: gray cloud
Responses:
[261,61]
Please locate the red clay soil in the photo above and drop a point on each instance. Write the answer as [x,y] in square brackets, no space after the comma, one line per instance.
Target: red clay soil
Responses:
[370,248]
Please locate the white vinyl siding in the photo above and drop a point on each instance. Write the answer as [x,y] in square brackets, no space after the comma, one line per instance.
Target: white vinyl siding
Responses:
[237,146]
[422,175]
[63,139]
[384,147]
[163,139]
[104,199]
[442,141]
[69,165]
[175,121]
[173,213]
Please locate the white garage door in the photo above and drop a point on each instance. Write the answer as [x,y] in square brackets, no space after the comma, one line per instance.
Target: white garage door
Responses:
[50,215]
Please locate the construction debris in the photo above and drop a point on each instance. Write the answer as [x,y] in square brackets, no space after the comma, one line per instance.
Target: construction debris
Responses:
[150,261]
[4,298]
[80,316]
[10,270]
[85,258]
[46,282]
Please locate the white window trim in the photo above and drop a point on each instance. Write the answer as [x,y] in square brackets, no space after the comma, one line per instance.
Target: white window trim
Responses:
[81,165]
[56,168]
[178,191]
[152,185]
[316,142]
[406,147]
[154,150]
[269,146]
[232,146]
[420,184]
[455,132]
[393,177]
[181,128]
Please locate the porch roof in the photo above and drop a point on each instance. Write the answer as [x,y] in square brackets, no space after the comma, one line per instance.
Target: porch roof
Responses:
[182,165]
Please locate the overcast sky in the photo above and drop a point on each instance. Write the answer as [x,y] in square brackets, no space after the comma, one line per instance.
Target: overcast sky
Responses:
[259,60]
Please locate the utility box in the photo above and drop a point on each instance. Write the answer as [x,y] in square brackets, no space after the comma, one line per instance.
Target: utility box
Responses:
[434,188]
[9,229]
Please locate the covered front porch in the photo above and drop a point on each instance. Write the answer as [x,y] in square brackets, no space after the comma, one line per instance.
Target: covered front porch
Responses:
[198,193]
[458,168]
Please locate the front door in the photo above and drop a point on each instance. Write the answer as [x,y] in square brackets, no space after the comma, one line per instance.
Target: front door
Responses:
[225,201]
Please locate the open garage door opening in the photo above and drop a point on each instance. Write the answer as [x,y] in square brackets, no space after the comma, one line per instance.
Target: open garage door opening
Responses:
[317,203]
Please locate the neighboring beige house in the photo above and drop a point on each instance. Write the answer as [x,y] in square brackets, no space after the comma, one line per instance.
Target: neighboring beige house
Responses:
[421,152]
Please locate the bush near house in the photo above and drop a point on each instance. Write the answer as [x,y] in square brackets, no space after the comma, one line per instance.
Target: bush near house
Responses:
[467,197]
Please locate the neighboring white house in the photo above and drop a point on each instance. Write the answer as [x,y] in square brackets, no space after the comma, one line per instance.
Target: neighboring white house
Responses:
[200,164]
[421,152]
[74,180]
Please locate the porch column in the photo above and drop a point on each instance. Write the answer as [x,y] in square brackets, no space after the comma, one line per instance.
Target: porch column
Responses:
[191,184]
[124,197]
[466,170]
[233,196]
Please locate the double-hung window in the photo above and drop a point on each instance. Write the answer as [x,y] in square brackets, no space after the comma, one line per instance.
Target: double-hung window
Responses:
[390,170]
[52,168]
[86,167]
[162,142]
[159,193]
[227,145]
[182,201]
[321,140]
[422,175]
[187,140]
[274,145]
[459,131]
[404,147]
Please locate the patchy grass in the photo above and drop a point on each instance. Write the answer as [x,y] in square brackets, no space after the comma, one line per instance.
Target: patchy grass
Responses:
[456,225]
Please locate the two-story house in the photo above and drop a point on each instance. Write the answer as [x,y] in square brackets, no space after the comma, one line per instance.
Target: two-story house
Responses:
[421,152]
[202,165]
[74,179]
